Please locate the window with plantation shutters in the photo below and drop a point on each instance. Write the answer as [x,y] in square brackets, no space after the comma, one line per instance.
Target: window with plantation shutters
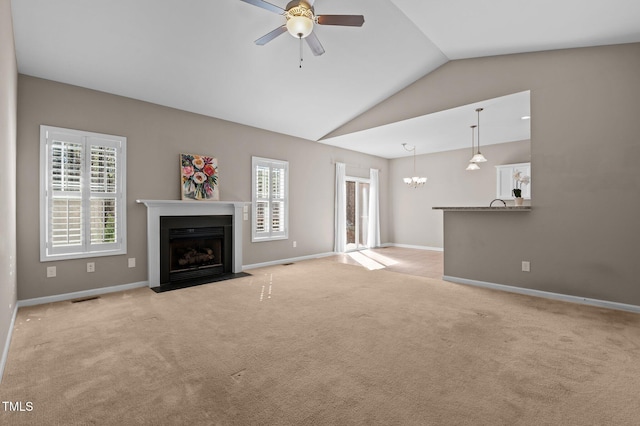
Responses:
[270,198]
[83,205]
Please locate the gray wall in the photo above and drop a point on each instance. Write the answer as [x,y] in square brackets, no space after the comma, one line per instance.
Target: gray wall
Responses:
[156,136]
[8,88]
[413,221]
[582,234]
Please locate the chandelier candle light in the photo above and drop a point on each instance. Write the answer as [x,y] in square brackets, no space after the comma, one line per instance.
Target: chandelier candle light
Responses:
[413,181]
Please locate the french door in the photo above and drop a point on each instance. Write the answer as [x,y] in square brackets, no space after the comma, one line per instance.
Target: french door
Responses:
[357,223]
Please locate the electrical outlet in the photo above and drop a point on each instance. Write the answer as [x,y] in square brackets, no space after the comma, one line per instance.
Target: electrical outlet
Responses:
[526,266]
[91,266]
[295,244]
[132,262]
[51,271]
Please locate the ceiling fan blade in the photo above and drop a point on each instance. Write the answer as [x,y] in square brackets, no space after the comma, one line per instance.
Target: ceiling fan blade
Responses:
[346,20]
[314,44]
[270,36]
[268,6]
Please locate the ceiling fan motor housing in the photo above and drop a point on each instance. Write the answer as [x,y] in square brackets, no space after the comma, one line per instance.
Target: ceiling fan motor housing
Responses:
[300,18]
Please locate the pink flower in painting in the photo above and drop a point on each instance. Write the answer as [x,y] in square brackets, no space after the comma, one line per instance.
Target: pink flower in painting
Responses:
[198,162]
[208,189]
[199,178]
[187,171]
[209,170]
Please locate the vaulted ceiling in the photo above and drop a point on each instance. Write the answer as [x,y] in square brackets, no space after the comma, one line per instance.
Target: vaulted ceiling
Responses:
[200,56]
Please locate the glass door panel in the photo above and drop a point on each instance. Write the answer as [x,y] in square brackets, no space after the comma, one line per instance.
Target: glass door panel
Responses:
[357,214]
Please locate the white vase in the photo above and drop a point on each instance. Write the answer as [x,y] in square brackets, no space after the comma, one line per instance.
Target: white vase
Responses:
[519,201]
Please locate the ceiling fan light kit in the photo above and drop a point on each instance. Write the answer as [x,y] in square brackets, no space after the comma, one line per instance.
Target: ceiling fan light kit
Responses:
[300,21]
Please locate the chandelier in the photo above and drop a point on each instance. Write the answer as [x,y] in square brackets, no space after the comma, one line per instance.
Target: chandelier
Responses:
[413,181]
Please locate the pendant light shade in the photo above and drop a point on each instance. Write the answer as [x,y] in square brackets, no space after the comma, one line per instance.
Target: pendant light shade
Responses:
[473,166]
[478,157]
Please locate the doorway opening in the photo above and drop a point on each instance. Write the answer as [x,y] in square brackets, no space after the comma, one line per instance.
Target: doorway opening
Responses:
[357,223]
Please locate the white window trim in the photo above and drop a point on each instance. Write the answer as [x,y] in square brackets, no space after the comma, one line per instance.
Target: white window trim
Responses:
[86,250]
[270,235]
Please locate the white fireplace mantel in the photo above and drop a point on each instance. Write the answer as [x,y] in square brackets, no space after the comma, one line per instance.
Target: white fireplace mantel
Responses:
[159,208]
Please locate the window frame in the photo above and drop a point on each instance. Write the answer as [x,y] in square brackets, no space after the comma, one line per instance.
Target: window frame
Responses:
[269,235]
[86,248]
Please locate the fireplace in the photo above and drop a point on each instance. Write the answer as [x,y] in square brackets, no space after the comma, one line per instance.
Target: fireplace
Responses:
[156,209]
[195,249]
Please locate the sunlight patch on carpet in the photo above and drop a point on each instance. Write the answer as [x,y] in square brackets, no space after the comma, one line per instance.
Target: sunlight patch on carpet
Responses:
[365,261]
[380,258]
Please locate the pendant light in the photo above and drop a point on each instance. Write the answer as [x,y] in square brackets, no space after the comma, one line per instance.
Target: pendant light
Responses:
[472,165]
[478,157]
[413,181]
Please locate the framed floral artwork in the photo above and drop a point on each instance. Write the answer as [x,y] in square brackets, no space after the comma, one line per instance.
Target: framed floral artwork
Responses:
[199,177]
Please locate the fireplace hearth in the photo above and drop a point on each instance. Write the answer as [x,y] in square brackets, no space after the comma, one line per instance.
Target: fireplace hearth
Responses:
[195,249]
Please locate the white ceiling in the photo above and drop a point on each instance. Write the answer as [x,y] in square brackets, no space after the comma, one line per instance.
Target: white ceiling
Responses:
[199,55]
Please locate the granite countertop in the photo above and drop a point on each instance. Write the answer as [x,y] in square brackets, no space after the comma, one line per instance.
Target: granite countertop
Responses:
[487,209]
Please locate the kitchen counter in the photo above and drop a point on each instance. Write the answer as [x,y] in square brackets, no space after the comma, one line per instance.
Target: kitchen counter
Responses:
[486,209]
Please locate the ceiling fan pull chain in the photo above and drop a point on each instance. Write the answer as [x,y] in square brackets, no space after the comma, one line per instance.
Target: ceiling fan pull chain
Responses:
[300,37]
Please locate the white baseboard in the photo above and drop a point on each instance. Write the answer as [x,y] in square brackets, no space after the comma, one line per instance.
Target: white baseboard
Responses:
[290,260]
[412,247]
[81,294]
[546,294]
[5,351]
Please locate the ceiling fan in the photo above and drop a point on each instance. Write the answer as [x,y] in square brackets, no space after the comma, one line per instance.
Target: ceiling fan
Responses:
[301,18]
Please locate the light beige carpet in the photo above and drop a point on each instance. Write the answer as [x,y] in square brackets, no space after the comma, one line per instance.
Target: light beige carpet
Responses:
[323,343]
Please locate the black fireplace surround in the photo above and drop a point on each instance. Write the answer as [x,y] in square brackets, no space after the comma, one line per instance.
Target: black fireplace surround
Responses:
[195,249]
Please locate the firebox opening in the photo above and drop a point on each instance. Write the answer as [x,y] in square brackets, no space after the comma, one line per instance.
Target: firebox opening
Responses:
[194,249]
[189,254]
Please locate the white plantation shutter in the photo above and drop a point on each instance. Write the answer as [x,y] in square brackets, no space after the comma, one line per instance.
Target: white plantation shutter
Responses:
[66,158]
[262,199]
[277,199]
[104,194]
[82,197]
[270,199]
